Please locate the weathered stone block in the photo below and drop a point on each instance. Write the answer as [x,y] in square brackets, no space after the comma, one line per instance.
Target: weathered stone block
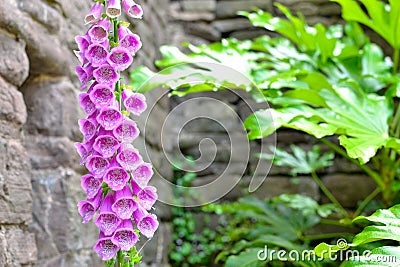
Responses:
[230,8]
[51,152]
[349,188]
[17,247]
[14,63]
[199,5]
[12,110]
[15,187]
[52,107]
[275,186]
[229,25]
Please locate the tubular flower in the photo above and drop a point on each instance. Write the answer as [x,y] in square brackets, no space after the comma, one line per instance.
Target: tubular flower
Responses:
[117,192]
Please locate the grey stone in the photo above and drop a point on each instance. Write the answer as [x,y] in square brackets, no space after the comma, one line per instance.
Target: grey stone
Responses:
[229,25]
[51,152]
[203,30]
[52,107]
[12,110]
[349,189]
[230,8]
[14,63]
[275,186]
[199,5]
[18,247]
[155,252]
[15,187]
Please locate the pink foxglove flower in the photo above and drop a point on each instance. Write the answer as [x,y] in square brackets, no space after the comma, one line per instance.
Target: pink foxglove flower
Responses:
[129,40]
[87,208]
[107,220]
[126,131]
[113,8]
[106,145]
[109,118]
[132,9]
[142,174]
[124,204]
[124,237]
[106,74]
[105,247]
[96,54]
[94,14]
[91,185]
[102,95]
[116,187]
[116,178]
[147,197]
[97,165]
[98,33]
[128,157]
[134,102]
[119,58]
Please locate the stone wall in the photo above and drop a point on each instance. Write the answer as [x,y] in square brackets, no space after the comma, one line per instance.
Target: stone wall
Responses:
[39,170]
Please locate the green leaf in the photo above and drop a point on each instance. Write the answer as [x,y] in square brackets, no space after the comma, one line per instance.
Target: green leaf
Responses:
[247,258]
[379,257]
[301,161]
[381,18]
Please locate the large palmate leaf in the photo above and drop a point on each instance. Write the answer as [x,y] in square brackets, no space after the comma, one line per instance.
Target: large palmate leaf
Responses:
[301,161]
[382,18]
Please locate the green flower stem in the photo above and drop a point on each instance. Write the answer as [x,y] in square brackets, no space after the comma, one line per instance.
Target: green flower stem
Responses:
[328,193]
[345,223]
[396,54]
[365,202]
[373,174]
[120,258]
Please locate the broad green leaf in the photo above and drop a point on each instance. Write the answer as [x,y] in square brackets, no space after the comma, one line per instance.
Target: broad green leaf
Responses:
[379,257]
[247,258]
[381,18]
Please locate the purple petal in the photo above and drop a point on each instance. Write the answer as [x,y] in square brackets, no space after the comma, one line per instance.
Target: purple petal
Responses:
[81,57]
[127,131]
[83,42]
[148,225]
[96,54]
[124,237]
[94,14]
[105,247]
[119,58]
[142,174]
[134,102]
[87,128]
[132,43]
[82,151]
[147,197]
[132,9]
[128,158]
[87,208]
[98,33]
[113,8]
[102,95]
[106,145]
[87,105]
[106,74]
[124,204]
[97,165]
[109,118]
[91,185]
[107,220]
[116,178]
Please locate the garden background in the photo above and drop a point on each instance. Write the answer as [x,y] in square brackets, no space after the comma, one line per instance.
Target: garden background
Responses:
[39,174]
